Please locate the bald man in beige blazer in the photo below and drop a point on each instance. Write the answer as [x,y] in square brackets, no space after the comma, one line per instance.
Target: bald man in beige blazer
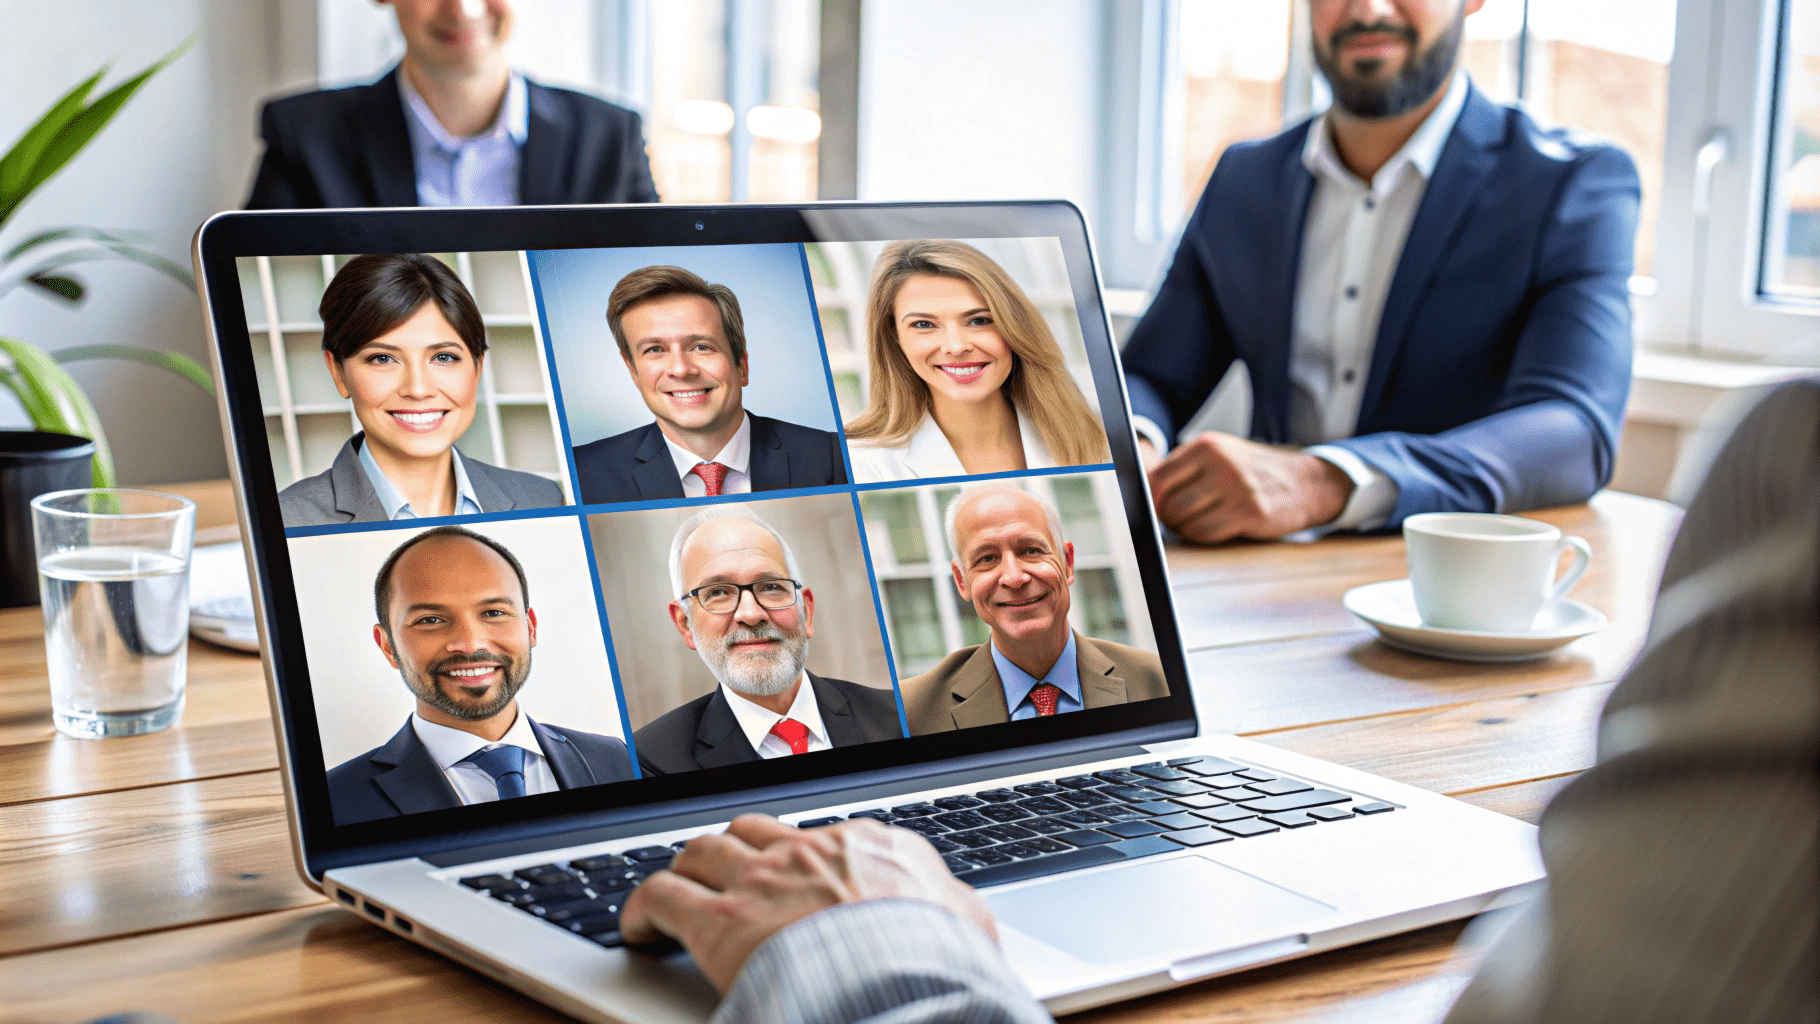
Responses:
[1013,566]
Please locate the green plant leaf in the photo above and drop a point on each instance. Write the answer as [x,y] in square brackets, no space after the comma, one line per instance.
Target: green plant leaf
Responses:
[66,288]
[66,234]
[78,130]
[54,400]
[182,365]
[90,253]
[16,165]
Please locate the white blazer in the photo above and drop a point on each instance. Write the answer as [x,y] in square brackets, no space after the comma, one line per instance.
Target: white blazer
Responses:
[928,454]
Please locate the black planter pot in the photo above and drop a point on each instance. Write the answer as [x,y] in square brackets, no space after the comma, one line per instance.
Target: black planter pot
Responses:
[32,463]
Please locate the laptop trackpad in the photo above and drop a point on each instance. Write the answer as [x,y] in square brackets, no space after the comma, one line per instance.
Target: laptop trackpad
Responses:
[1169,908]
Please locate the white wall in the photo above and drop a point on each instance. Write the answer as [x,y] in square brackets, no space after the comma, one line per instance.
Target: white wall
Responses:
[967,100]
[182,149]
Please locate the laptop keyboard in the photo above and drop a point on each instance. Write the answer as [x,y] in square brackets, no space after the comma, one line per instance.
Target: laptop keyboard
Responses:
[994,836]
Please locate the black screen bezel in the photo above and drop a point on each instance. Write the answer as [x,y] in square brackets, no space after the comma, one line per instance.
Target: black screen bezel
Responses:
[227,237]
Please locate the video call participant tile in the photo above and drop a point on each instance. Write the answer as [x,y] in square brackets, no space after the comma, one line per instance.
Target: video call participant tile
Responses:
[746,631]
[719,346]
[444,686]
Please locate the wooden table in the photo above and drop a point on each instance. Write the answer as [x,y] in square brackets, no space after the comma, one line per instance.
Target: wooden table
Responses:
[155,873]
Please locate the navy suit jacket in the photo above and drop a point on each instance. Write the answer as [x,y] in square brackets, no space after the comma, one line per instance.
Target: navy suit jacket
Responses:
[636,465]
[1503,356]
[402,778]
[704,733]
[350,147]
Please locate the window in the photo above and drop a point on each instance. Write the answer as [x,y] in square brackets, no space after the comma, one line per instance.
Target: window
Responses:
[1791,247]
[1234,58]
[733,99]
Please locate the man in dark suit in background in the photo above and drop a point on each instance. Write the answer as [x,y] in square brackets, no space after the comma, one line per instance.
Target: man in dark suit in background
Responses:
[684,342]
[1012,565]
[452,125]
[742,606]
[455,620]
[1428,289]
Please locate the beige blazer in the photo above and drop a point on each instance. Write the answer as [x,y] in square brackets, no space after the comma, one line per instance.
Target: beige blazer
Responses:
[963,691]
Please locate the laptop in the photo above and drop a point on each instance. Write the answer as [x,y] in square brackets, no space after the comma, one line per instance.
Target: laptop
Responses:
[523,639]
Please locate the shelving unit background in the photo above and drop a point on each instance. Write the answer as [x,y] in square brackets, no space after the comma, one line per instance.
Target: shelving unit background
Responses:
[306,421]
[842,272]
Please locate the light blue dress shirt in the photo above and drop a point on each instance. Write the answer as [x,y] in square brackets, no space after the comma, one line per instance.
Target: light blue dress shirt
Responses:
[478,170]
[396,507]
[1064,675]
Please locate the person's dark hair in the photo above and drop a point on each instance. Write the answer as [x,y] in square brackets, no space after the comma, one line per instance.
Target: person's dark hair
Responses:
[382,584]
[375,293]
[657,282]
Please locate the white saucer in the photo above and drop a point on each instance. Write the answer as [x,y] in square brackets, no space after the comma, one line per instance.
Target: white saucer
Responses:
[1390,608]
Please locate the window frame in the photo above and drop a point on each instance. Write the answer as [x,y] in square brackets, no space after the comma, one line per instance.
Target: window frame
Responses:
[1710,257]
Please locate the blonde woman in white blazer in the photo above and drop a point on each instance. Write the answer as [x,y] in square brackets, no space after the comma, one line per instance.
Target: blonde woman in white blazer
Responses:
[966,376]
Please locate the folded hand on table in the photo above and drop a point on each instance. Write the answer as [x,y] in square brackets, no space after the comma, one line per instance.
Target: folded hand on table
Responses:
[724,895]
[1218,487]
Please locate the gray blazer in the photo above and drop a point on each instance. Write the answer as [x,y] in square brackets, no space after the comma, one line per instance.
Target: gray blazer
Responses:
[1682,885]
[343,494]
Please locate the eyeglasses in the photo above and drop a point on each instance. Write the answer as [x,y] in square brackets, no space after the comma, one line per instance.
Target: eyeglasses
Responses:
[721,598]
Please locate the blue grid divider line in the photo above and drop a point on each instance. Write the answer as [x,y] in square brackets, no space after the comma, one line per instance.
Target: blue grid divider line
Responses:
[1013,474]
[815,310]
[549,354]
[606,635]
[548,512]
[878,608]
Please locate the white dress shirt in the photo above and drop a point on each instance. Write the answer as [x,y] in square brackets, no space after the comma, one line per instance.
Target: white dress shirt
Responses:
[476,170]
[1352,241]
[452,746]
[756,721]
[467,503]
[928,454]
[736,456]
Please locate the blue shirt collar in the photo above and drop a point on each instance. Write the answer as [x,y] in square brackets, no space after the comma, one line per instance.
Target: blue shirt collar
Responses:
[513,122]
[394,503]
[1065,674]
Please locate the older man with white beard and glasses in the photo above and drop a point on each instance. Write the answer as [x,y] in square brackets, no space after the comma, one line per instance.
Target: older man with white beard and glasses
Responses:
[742,605]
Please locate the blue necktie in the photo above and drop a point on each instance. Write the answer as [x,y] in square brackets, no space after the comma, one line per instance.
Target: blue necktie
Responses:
[506,764]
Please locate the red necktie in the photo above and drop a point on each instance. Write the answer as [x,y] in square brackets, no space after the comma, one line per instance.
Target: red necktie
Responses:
[796,733]
[1044,696]
[712,473]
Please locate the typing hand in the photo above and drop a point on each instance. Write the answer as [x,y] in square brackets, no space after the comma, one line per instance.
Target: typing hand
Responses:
[1218,487]
[724,895]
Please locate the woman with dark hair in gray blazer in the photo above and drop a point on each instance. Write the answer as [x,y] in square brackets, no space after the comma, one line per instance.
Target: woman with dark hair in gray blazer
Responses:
[403,340]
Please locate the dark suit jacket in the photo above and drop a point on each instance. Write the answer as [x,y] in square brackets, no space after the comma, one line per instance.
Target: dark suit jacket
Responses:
[964,690]
[350,147]
[343,494]
[402,778]
[1503,356]
[636,465]
[704,734]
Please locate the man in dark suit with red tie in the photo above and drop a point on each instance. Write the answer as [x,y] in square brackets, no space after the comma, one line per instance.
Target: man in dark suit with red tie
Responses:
[742,606]
[451,125]
[684,342]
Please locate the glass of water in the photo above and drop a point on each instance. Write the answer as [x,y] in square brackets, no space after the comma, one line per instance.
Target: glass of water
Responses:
[114,574]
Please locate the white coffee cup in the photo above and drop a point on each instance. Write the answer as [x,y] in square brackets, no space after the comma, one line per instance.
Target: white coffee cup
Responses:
[1485,572]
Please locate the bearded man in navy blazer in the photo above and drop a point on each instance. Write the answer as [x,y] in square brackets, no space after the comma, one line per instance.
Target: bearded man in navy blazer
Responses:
[684,342]
[455,620]
[1428,289]
[451,125]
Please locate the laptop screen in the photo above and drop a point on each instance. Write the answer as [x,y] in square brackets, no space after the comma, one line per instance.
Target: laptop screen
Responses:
[567,528]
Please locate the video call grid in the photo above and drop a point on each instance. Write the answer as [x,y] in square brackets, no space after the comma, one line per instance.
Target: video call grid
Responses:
[581,512]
